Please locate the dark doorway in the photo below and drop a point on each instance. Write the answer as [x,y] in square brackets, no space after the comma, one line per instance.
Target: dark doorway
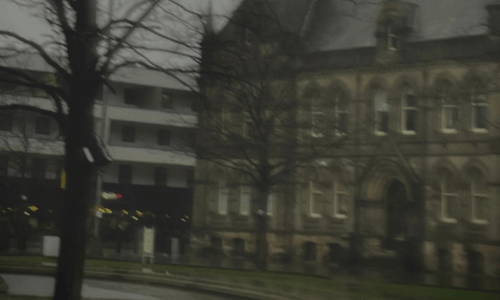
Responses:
[475,269]
[396,210]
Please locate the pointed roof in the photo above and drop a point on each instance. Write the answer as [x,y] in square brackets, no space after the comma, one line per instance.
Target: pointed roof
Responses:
[338,25]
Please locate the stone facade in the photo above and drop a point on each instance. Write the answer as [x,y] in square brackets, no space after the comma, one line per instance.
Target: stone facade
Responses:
[419,179]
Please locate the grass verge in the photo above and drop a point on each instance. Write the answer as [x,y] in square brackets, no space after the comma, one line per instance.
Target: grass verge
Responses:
[284,282]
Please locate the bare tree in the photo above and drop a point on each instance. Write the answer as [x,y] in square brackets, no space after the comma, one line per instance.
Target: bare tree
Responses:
[88,45]
[251,118]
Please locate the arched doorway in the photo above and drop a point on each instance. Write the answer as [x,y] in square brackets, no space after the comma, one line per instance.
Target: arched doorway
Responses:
[397,199]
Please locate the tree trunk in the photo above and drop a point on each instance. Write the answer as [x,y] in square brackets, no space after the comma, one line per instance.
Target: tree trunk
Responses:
[261,237]
[83,81]
[75,208]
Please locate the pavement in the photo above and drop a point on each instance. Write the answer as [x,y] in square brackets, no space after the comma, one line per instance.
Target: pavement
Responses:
[145,282]
[32,285]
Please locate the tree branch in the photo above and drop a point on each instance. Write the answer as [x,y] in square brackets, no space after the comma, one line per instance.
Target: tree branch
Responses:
[39,49]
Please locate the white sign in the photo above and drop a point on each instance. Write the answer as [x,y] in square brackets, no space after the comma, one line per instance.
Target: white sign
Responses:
[111,196]
[51,245]
[148,241]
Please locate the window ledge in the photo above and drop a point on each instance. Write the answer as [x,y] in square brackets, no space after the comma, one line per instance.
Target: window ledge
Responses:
[380,133]
[480,222]
[406,132]
[449,221]
[317,135]
[222,213]
[336,216]
[479,130]
[316,216]
[449,131]
[244,214]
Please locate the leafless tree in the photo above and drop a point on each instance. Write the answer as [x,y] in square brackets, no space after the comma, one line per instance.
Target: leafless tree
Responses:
[87,44]
[251,119]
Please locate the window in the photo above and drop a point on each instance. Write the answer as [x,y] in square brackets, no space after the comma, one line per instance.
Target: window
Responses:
[131,96]
[194,105]
[128,134]
[409,112]
[340,200]
[449,109]
[449,200]
[309,251]
[190,178]
[125,174]
[42,125]
[6,87]
[245,200]
[315,198]
[163,137]
[444,260]
[479,110]
[166,99]
[160,176]
[334,253]
[479,198]
[392,39]
[475,262]
[271,203]
[318,118]
[59,169]
[239,247]
[4,165]
[341,114]
[381,113]
[38,168]
[5,122]
[222,198]
[99,94]
[216,245]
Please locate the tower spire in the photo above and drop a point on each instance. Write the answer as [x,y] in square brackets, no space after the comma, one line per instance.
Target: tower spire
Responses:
[208,19]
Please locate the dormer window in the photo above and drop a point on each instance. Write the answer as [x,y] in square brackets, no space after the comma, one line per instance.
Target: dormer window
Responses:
[392,39]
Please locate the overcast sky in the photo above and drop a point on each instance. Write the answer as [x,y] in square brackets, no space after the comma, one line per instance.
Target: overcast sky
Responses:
[21,21]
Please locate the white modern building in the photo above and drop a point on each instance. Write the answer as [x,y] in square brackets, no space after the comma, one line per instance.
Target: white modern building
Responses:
[148,121]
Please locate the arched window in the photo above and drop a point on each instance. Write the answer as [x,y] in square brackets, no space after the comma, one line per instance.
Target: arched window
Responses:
[222,196]
[392,38]
[340,196]
[479,108]
[449,108]
[245,197]
[271,203]
[318,117]
[449,199]
[381,112]
[408,111]
[315,199]
[479,197]
[341,113]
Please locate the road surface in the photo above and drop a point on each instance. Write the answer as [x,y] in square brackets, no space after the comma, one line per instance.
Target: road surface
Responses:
[30,285]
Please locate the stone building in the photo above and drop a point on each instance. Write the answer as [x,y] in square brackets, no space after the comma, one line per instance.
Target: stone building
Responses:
[415,186]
